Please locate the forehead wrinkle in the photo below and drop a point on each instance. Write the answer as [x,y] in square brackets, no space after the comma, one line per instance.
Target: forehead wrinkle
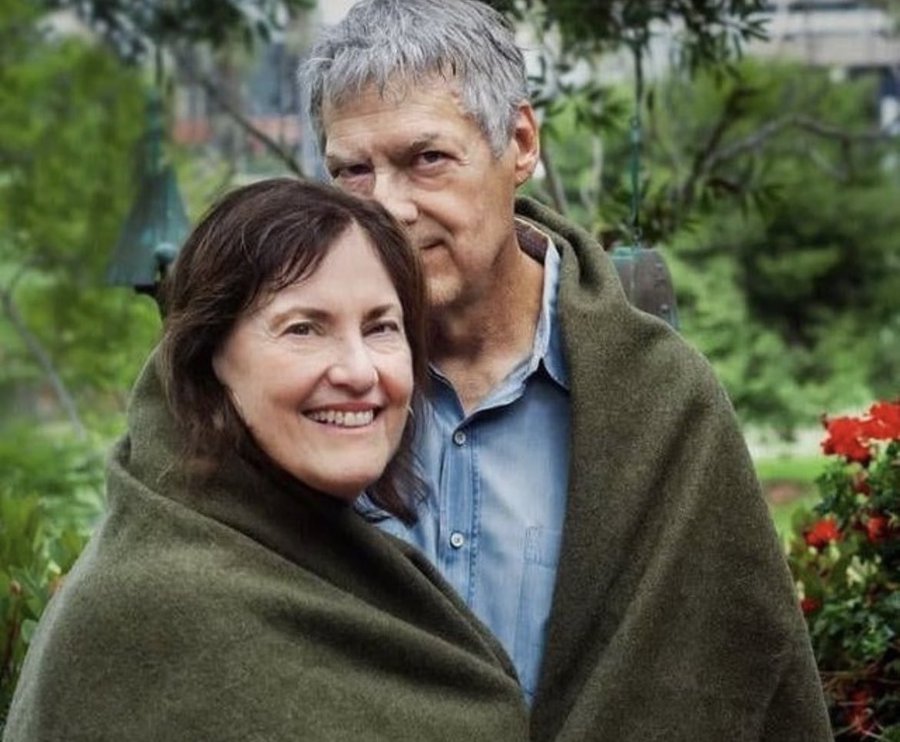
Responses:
[396,91]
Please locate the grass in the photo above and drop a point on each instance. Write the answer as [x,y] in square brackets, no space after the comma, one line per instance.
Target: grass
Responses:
[790,468]
[790,486]
[783,514]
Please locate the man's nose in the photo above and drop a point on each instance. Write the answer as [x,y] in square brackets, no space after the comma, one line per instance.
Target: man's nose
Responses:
[353,367]
[395,194]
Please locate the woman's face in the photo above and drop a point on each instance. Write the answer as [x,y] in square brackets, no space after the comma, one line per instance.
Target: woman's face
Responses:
[322,373]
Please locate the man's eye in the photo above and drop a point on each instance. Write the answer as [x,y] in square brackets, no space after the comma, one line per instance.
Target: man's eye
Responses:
[431,157]
[350,171]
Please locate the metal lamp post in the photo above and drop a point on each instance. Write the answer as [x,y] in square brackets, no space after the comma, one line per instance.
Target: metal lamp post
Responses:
[157,222]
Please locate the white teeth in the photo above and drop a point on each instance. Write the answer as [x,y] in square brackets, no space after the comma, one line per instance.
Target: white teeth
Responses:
[343,419]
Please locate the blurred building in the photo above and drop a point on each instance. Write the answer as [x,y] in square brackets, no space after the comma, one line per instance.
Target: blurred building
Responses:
[831,33]
[242,108]
[852,38]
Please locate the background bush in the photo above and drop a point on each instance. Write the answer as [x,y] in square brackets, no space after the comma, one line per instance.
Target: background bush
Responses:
[845,556]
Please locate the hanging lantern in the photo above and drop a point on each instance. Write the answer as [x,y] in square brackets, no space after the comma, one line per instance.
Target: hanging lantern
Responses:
[647,282]
[642,270]
[157,223]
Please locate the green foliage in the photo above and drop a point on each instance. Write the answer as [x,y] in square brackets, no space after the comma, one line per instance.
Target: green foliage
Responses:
[845,557]
[789,483]
[70,117]
[571,36]
[50,496]
[812,272]
[751,360]
[133,27]
[708,31]
[775,201]
[799,469]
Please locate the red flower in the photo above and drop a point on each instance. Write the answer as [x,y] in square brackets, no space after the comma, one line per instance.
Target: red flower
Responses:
[859,713]
[822,533]
[809,605]
[845,438]
[877,528]
[851,437]
[884,424]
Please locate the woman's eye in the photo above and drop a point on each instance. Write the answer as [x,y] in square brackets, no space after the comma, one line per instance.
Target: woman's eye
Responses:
[384,327]
[299,328]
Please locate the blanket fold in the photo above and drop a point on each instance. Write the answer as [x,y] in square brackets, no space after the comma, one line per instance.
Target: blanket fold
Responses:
[237,610]
[674,615]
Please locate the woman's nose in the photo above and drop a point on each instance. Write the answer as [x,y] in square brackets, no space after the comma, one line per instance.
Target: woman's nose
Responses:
[353,367]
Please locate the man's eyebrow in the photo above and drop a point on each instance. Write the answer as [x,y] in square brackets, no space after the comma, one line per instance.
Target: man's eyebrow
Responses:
[335,160]
[417,145]
[423,142]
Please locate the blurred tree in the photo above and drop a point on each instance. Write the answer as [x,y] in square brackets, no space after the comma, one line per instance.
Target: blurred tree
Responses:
[706,31]
[775,195]
[136,27]
[70,115]
[572,35]
[779,196]
[178,32]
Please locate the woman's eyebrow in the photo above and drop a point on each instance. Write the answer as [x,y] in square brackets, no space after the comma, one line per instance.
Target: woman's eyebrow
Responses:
[295,310]
[321,315]
[384,309]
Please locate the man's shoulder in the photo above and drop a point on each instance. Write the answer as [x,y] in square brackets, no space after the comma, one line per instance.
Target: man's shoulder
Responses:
[546,219]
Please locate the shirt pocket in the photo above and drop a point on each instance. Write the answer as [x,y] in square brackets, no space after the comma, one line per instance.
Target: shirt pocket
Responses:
[541,560]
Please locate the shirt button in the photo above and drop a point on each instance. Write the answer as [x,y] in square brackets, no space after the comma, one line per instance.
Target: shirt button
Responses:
[457,540]
[459,437]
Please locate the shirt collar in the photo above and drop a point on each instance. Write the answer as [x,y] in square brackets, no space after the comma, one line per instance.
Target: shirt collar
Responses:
[548,346]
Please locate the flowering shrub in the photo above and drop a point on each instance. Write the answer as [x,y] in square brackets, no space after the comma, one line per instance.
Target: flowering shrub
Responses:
[845,557]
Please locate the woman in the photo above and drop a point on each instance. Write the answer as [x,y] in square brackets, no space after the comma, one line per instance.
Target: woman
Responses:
[232,592]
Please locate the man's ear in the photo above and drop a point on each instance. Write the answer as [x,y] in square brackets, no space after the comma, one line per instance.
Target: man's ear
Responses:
[527,138]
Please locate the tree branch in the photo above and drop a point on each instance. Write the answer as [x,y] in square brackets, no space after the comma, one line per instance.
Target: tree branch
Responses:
[828,131]
[767,131]
[748,144]
[40,354]
[704,159]
[554,185]
[239,117]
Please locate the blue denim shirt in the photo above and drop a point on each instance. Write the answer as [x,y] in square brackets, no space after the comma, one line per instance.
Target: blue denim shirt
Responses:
[496,484]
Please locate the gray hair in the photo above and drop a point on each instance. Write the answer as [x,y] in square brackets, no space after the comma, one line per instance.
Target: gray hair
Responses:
[390,43]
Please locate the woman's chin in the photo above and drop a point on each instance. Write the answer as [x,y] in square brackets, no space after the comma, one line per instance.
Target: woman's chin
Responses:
[347,487]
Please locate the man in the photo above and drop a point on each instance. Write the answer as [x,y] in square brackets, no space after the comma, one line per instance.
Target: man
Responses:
[589,493]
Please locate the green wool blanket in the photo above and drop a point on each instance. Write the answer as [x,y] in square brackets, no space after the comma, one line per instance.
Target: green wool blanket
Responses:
[674,615]
[237,610]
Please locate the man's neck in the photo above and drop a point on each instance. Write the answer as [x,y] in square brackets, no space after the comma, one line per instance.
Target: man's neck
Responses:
[477,345]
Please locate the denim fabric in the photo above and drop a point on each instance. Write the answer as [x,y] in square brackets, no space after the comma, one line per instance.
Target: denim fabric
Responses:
[497,481]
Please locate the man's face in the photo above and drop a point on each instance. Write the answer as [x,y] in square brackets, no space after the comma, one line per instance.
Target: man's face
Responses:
[429,164]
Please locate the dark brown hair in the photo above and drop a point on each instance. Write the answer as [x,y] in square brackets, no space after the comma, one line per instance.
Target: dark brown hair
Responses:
[256,240]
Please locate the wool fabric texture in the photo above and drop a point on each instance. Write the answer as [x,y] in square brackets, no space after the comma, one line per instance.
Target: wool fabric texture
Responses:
[240,610]
[674,615]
